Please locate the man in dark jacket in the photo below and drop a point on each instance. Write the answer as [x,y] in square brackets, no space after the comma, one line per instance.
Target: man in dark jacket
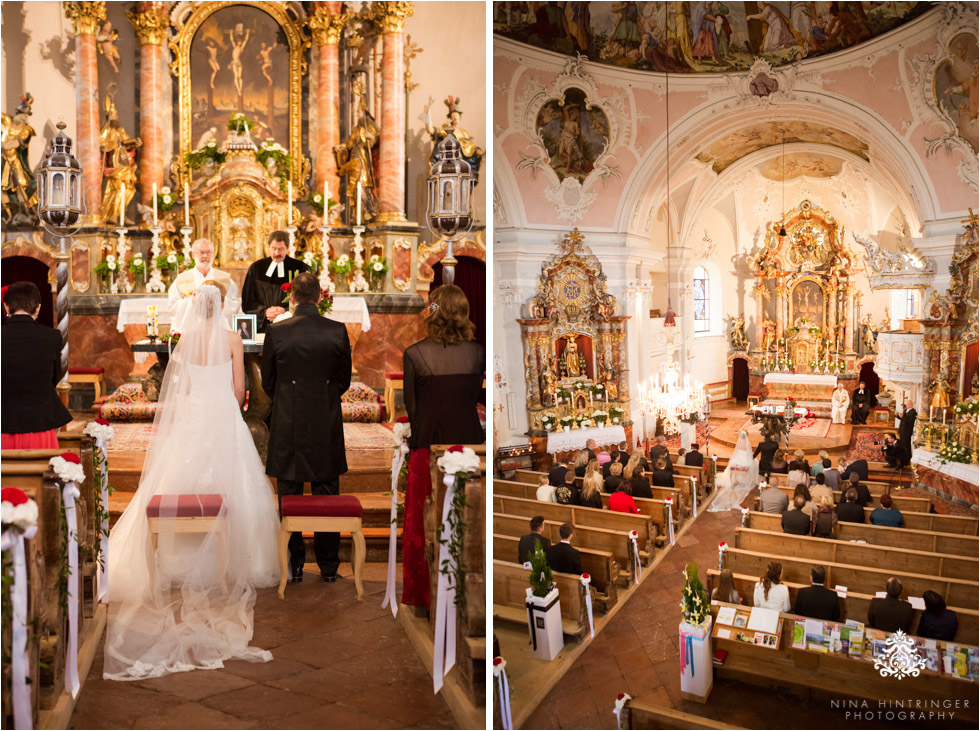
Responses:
[262,290]
[659,450]
[817,601]
[525,547]
[31,369]
[890,613]
[857,467]
[860,404]
[562,556]
[863,493]
[306,368]
[795,521]
[766,449]
[905,428]
[849,511]
[557,474]
[694,458]
[567,492]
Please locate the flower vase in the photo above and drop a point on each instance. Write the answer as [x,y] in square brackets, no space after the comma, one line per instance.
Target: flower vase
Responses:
[139,284]
[697,670]
[105,284]
[544,624]
[377,284]
[341,284]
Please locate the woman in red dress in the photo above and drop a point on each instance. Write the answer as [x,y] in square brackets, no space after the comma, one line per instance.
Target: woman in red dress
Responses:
[443,385]
[32,412]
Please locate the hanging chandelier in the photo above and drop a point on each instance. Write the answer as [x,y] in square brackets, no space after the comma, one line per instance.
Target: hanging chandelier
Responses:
[672,398]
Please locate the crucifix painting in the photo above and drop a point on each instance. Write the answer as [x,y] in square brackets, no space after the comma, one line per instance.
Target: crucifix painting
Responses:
[808,302]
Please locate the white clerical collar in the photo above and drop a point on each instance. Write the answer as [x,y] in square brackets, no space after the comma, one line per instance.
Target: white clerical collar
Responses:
[278,267]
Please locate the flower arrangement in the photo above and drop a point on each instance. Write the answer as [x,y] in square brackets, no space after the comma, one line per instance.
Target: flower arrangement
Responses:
[965,408]
[286,288]
[402,429]
[237,120]
[813,365]
[137,265]
[315,201]
[813,330]
[313,260]
[325,304]
[562,394]
[548,422]
[170,338]
[107,267]
[586,421]
[541,578]
[272,153]
[68,467]
[600,417]
[615,413]
[376,267]
[165,200]
[202,156]
[566,421]
[598,389]
[460,461]
[99,429]
[169,262]
[695,601]
[17,511]
[954,452]
[342,265]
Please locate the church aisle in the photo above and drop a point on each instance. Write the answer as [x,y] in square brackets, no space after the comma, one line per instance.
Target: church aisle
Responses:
[337,663]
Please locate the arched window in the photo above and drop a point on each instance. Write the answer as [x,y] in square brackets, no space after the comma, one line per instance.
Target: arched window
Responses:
[702,294]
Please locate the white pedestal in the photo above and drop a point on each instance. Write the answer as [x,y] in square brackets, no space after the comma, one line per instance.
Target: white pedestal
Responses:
[544,624]
[688,435]
[697,670]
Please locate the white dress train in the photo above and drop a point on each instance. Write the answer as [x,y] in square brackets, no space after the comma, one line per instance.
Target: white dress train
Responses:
[169,609]
[738,479]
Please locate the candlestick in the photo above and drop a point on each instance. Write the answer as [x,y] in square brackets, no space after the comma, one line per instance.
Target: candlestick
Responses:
[185,232]
[358,203]
[122,206]
[326,198]
[931,408]
[187,204]
[289,203]
[291,232]
[154,204]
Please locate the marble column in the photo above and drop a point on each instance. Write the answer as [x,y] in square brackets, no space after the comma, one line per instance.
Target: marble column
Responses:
[86,17]
[389,17]
[150,23]
[327,25]
[780,309]
[848,326]
[832,317]
[760,313]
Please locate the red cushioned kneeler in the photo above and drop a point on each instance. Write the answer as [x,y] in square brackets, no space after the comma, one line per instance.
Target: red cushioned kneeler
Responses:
[188,506]
[335,506]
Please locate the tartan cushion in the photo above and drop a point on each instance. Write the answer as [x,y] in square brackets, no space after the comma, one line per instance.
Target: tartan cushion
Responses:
[188,506]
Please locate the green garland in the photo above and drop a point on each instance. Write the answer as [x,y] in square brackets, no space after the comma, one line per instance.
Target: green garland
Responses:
[455,543]
[101,511]
[695,603]
[284,162]
[64,571]
[196,159]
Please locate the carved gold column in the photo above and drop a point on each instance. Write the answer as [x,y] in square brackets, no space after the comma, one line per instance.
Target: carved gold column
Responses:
[832,316]
[780,308]
[390,18]
[150,23]
[327,24]
[760,312]
[848,312]
[86,17]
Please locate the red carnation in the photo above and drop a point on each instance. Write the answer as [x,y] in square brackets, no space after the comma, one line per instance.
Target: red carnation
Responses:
[13,495]
[286,286]
[620,696]
[402,420]
[586,576]
[102,421]
[497,661]
[455,448]
[71,457]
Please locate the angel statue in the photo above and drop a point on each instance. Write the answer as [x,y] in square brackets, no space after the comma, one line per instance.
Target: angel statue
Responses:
[354,156]
[19,187]
[768,334]
[869,335]
[106,43]
[471,152]
[119,160]
[940,393]
[738,339]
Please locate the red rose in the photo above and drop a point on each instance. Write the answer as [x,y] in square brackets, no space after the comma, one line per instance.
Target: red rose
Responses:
[13,495]
[71,457]
[586,576]
[456,448]
[620,696]
[497,661]
[286,286]
[402,420]
[102,421]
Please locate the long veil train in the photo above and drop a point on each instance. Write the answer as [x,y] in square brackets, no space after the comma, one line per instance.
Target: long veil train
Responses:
[188,603]
[739,477]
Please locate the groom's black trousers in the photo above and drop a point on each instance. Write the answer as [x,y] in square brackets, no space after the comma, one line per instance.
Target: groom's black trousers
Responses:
[325,545]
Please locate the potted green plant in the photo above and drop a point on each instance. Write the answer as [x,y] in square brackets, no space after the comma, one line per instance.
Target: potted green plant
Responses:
[376,268]
[695,636]
[548,422]
[106,271]
[169,264]
[341,268]
[543,610]
[137,267]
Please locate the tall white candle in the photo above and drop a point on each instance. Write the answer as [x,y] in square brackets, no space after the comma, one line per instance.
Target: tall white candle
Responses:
[326,197]
[154,204]
[289,203]
[122,207]
[187,203]
[358,203]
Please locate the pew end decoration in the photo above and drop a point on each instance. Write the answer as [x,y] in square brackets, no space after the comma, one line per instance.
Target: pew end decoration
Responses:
[543,609]
[697,674]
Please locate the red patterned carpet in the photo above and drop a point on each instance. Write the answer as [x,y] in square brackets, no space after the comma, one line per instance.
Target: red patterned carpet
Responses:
[805,427]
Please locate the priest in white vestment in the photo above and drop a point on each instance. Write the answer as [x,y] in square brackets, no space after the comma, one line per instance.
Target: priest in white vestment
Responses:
[185,285]
[838,404]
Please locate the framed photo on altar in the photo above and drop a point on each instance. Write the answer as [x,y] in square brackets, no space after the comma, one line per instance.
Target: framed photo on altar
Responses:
[246,326]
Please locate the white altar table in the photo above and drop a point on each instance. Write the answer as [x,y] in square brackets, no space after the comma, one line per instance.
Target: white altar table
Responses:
[575,439]
[814,386]
[810,379]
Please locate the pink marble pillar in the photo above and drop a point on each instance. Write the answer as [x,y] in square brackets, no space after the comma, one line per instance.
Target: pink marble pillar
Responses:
[86,17]
[150,24]
[327,25]
[390,19]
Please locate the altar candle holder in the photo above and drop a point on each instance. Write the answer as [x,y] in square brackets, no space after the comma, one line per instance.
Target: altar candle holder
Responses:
[185,233]
[291,231]
[121,249]
[325,281]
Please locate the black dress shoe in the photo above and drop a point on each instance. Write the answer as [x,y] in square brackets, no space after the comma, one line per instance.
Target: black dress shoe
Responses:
[296,575]
[330,578]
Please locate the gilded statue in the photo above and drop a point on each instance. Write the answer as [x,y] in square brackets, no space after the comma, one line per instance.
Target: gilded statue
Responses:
[739,340]
[839,337]
[940,393]
[19,186]
[105,42]
[870,335]
[354,157]
[609,379]
[118,160]
[548,384]
[768,334]
[571,357]
[472,153]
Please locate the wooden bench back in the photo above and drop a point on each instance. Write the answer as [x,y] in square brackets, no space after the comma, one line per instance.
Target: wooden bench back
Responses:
[899,502]
[639,715]
[880,535]
[511,581]
[681,489]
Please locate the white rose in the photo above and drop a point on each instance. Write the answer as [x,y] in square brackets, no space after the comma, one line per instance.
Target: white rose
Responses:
[99,431]
[110,258]
[378,266]
[165,191]
[172,258]
[67,471]
[167,199]
[112,266]
[317,198]
[455,463]
[342,260]
[402,431]
[21,516]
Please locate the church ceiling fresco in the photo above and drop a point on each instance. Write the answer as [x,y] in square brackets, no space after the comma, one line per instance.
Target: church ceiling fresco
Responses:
[801,164]
[733,147]
[956,87]
[575,134]
[699,37]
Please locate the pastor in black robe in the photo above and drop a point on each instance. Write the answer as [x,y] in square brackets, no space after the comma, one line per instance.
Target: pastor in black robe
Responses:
[860,405]
[262,291]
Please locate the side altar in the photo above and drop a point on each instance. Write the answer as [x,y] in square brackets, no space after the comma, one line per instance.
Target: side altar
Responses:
[574,350]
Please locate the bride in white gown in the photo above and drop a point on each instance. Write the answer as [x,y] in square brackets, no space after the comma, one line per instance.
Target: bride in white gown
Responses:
[739,477]
[187,604]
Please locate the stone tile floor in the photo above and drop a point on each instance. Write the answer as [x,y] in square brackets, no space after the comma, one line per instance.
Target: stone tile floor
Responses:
[338,664]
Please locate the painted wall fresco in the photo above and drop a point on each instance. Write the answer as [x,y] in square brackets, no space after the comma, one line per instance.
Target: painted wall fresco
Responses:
[801,164]
[574,133]
[734,146]
[686,37]
[956,87]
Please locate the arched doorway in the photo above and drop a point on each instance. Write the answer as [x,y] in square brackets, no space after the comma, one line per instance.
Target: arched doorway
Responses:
[870,378]
[740,379]
[471,277]
[969,370]
[28,269]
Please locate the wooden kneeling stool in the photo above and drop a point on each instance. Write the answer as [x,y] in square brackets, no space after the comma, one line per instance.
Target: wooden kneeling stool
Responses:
[95,376]
[192,514]
[394,380]
[753,398]
[321,514]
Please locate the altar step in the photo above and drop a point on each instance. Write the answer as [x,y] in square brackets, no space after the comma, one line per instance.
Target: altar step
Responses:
[820,408]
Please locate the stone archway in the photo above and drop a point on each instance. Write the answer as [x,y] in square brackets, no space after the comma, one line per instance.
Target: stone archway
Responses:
[20,254]
[474,246]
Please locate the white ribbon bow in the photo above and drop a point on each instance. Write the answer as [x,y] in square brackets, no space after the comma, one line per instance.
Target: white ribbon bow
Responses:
[444,650]
[670,519]
[621,702]
[69,494]
[586,580]
[694,495]
[396,467]
[19,687]
[636,552]
[503,692]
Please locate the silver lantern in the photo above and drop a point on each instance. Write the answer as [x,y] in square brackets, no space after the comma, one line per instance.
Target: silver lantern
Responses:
[60,184]
[450,209]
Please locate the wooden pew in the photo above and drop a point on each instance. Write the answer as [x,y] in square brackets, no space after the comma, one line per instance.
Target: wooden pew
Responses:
[858,554]
[803,671]
[653,508]
[863,579]
[959,524]
[681,492]
[581,517]
[639,715]
[880,535]
[600,565]
[597,539]
[899,502]
[510,583]
[854,605]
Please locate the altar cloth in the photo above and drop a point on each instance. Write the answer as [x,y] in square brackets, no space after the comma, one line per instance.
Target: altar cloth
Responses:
[809,379]
[574,439]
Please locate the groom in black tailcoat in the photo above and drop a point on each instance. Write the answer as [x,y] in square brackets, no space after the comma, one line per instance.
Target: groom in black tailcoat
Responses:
[306,368]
